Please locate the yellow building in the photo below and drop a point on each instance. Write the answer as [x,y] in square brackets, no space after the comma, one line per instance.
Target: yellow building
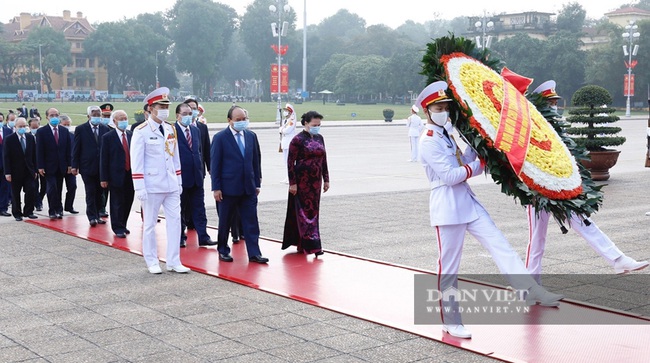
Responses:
[83,74]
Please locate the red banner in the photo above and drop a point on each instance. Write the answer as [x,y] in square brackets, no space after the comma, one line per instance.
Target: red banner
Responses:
[628,82]
[284,75]
[513,134]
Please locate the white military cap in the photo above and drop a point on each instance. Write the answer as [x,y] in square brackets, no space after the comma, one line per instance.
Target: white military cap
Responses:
[547,90]
[159,95]
[433,93]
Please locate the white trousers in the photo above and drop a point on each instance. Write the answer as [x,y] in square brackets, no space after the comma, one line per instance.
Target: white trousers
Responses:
[414,147]
[171,203]
[450,240]
[538,226]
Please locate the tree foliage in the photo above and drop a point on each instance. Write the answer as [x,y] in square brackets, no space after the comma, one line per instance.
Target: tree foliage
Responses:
[571,18]
[201,30]
[55,52]
[594,136]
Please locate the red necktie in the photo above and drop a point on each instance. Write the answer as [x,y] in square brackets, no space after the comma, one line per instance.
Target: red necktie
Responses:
[56,135]
[189,137]
[1,137]
[127,157]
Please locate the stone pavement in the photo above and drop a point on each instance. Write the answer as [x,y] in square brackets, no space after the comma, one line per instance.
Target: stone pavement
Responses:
[64,299]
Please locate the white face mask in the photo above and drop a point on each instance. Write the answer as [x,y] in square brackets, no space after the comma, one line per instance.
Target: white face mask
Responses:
[439,118]
[554,108]
[163,115]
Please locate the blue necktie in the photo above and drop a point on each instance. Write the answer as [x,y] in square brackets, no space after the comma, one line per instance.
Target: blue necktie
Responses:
[240,143]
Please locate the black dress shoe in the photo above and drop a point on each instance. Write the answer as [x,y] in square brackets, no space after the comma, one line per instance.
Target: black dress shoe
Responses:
[32,216]
[225,258]
[183,244]
[39,209]
[93,222]
[101,221]
[59,216]
[120,235]
[18,219]
[127,231]
[103,215]
[235,240]
[207,243]
[5,214]
[52,216]
[258,259]
[72,211]
[319,253]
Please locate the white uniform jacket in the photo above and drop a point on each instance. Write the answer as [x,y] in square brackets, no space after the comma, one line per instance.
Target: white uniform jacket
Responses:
[414,124]
[451,200]
[155,162]
[288,131]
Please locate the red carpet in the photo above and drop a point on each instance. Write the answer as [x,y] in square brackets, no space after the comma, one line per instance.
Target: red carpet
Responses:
[383,293]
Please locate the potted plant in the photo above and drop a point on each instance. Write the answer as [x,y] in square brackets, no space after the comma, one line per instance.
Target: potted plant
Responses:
[592,111]
[388,114]
[139,115]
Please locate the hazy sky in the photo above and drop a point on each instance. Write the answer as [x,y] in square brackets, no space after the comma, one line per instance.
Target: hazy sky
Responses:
[392,14]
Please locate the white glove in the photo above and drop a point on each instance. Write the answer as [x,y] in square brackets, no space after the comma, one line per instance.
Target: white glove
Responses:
[180,189]
[141,194]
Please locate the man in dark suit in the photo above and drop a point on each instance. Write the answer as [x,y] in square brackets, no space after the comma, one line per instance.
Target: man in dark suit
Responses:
[205,144]
[85,161]
[33,112]
[22,112]
[236,172]
[115,172]
[193,174]
[70,179]
[39,186]
[5,186]
[19,160]
[53,159]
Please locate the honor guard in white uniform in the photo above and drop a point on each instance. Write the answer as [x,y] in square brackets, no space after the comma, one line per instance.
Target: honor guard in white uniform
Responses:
[585,227]
[157,180]
[414,125]
[287,132]
[455,210]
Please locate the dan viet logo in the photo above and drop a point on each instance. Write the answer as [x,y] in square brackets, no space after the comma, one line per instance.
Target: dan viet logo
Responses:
[476,295]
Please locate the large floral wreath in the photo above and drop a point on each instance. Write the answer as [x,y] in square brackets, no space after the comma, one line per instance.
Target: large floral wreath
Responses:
[530,158]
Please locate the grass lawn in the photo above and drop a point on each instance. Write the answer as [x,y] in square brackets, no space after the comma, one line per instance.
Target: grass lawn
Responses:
[216,111]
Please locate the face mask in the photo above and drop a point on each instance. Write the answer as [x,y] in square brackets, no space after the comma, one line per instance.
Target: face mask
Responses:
[33,131]
[11,124]
[195,114]
[240,125]
[314,130]
[66,126]
[122,125]
[285,113]
[95,120]
[54,121]
[439,118]
[21,131]
[554,108]
[105,121]
[163,115]
[186,120]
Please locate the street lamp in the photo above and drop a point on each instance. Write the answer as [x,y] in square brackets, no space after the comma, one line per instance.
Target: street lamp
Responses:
[40,67]
[279,30]
[630,35]
[157,83]
[485,25]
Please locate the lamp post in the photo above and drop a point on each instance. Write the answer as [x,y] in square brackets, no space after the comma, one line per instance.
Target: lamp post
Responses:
[304,48]
[485,26]
[157,83]
[279,29]
[40,68]
[630,35]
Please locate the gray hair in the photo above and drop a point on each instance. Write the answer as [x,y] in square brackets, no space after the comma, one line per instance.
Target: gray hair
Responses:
[90,109]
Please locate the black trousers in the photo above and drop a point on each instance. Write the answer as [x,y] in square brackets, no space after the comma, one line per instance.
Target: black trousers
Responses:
[25,184]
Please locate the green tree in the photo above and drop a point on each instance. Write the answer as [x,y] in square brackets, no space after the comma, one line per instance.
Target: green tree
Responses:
[516,53]
[571,18]
[328,74]
[565,61]
[11,58]
[364,78]
[403,72]
[202,31]
[55,52]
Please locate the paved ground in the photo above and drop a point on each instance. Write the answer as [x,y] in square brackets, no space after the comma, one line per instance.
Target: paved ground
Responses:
[63,299]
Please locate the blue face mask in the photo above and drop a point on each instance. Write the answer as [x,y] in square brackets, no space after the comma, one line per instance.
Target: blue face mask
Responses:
[314,130]
[33,131]
[95,121]
[21,131]
[240,125]
[54,121]
[195,114]
[105,121]
[186,120]
[11,124]
[122,125]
